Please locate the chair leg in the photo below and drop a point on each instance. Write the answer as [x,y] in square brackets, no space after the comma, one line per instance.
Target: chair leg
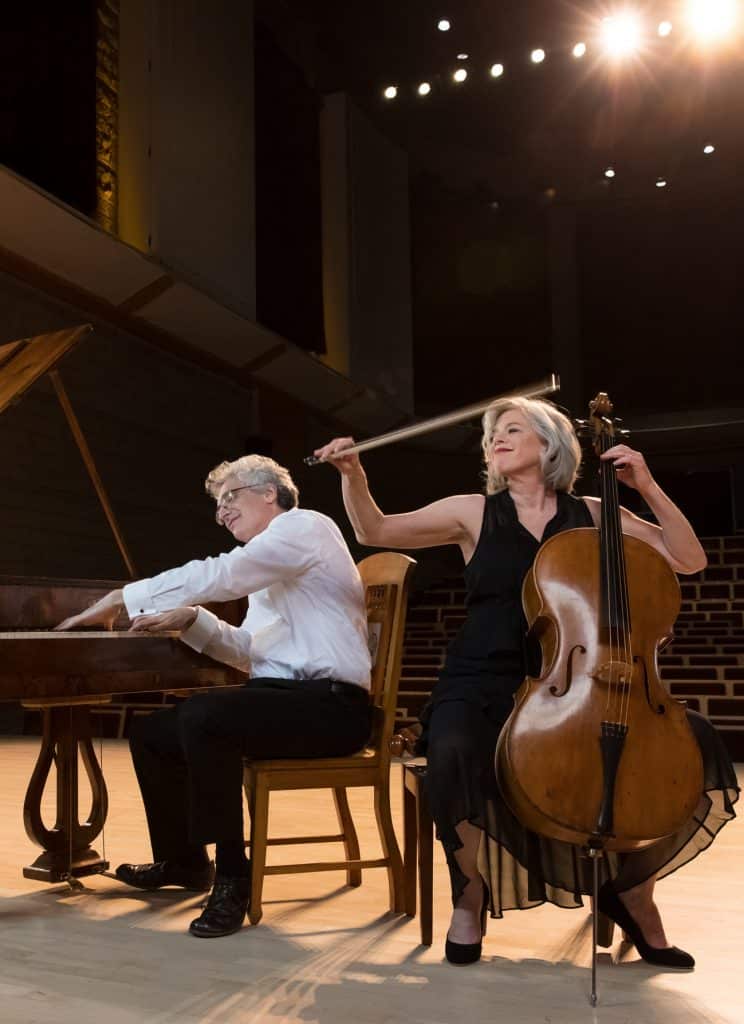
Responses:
[351,842]
[259,833]
[410,840]
[425,862]
[389,846]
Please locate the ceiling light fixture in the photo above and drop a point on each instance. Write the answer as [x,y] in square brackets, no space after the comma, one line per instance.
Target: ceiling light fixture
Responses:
[621,33]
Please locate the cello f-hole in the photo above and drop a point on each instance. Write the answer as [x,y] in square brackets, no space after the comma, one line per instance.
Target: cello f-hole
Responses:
[556,691]
[658,709]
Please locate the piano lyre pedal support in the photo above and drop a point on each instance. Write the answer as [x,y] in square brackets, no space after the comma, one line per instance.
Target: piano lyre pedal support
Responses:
[22,363]
[68,852]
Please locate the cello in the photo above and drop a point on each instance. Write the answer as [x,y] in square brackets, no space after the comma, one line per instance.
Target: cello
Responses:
[596,752]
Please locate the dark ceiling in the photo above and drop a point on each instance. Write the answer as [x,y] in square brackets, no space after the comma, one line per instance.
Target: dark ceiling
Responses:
[554,125]
[658,270]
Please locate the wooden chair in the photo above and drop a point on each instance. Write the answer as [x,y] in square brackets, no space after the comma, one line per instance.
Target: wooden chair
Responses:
[386,577]
[418,849]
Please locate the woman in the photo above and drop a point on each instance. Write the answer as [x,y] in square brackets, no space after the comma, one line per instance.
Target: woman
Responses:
[532,459]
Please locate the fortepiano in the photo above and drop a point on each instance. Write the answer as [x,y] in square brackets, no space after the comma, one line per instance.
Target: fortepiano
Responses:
[64,675]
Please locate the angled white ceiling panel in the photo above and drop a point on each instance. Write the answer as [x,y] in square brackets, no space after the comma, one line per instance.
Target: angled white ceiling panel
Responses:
[211,327]
[42,230]
[308,379]
[50,235]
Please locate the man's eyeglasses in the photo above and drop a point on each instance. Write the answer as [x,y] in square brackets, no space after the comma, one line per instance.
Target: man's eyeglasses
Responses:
[228,500]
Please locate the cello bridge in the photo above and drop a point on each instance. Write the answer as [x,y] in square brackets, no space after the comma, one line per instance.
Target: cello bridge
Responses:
[614,673]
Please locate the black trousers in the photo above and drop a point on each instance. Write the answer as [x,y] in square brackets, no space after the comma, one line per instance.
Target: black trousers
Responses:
[188,759]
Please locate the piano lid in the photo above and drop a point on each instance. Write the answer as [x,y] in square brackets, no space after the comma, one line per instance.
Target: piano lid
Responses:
[23,362]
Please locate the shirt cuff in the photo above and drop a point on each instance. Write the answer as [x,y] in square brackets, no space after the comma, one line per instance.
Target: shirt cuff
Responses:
[136,597]
[202,630]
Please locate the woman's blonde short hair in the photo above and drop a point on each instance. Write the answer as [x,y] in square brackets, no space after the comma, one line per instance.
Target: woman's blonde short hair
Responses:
[255,470]
[561,456]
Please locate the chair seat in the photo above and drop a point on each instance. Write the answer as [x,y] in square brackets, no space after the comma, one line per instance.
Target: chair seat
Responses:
[366,758]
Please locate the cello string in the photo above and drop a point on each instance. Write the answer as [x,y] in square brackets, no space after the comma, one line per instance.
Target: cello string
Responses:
[604,543]
[607,545]
[625,605]
[621,617]
[616,586]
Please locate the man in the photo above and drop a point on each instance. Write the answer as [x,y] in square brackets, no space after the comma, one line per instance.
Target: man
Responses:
[304,640]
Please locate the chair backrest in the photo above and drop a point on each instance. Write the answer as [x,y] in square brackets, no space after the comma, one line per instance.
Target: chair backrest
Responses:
[386,577]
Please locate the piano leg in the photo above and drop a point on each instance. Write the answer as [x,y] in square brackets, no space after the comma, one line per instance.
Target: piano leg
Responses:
[67,846]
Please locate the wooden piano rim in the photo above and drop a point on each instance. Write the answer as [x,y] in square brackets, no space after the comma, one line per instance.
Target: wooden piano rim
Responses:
[86,634]
[60,581]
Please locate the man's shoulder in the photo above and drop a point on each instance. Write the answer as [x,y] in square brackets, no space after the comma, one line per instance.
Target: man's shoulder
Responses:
[304,520]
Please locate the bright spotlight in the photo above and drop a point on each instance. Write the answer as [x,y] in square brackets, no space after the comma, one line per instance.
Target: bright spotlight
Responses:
[497,70]
[391,92]
[537,56]
[460,75]
[661,182]
[664,29]
[712,19]
[709,149]
[424,89]
[443,25]
[610,172]
[463,56]
[621,34]
[579,50]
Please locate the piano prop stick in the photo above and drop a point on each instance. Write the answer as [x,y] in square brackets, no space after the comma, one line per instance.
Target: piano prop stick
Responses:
[22,363]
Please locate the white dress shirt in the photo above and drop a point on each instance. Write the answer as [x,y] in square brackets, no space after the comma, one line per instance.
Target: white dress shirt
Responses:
[306,616]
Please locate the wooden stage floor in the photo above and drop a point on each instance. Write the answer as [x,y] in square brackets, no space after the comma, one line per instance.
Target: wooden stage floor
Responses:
[324,953]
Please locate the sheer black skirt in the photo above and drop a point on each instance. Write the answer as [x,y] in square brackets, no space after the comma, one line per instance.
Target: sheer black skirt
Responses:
[521,868]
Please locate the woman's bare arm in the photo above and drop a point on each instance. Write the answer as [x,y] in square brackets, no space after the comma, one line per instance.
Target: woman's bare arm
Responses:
[453,520]
[674,537]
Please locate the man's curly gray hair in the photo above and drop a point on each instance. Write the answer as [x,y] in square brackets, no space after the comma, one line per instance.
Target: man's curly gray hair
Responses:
[254,471]
[561,455]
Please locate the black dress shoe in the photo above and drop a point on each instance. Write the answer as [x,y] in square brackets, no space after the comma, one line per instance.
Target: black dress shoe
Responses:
[165,872]
[468,952]
[225,910]
[613,907]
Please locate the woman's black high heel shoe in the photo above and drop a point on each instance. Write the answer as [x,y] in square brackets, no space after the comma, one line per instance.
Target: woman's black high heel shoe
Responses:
[468,952]
[613,907]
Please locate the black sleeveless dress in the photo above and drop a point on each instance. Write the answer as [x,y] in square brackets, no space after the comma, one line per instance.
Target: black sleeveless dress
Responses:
[485,665]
